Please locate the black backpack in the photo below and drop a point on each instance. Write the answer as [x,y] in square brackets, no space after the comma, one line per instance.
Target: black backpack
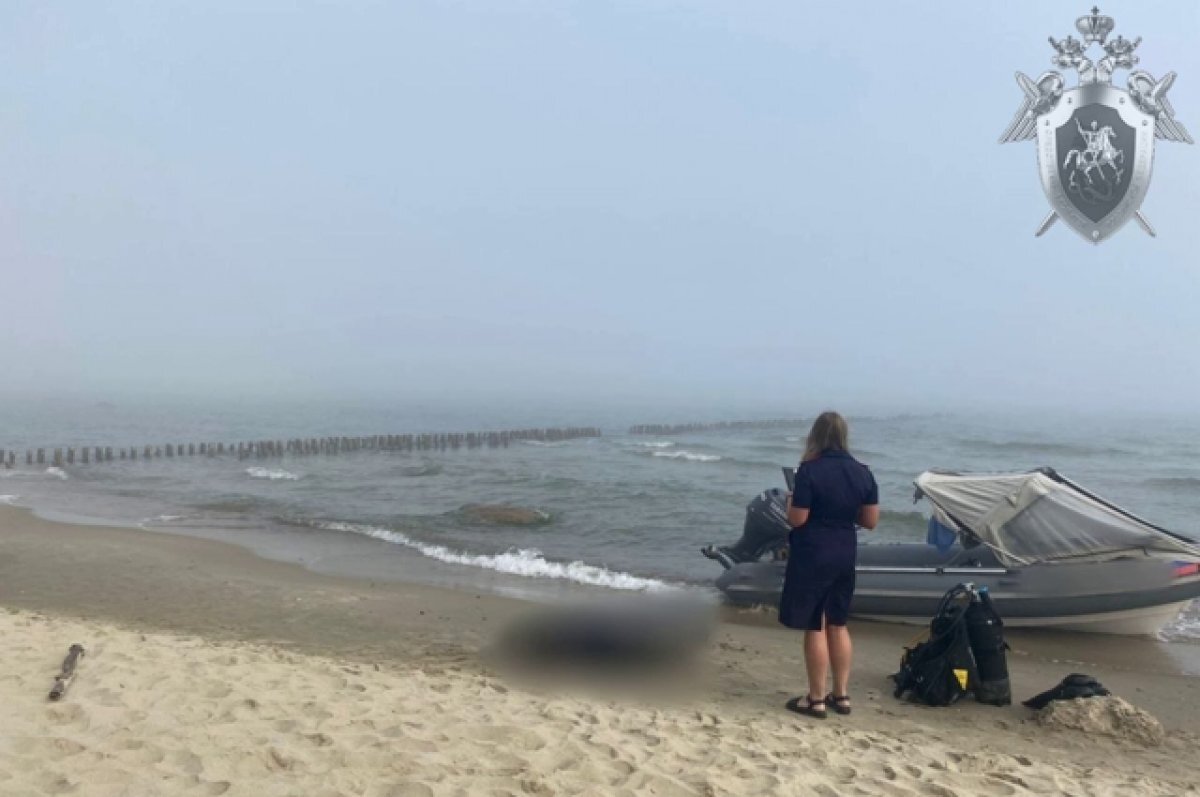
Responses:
[939,671]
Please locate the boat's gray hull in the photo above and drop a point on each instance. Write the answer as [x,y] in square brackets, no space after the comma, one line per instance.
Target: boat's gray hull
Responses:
[903,582]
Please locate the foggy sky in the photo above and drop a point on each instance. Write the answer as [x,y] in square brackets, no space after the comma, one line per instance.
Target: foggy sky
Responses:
[767,205]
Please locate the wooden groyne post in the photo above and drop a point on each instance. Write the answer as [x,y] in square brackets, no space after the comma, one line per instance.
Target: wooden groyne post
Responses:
[301,446]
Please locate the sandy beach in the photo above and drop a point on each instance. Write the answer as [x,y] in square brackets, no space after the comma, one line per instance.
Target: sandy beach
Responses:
[211,671]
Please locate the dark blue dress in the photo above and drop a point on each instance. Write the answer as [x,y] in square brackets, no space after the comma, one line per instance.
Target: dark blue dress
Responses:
[819,582]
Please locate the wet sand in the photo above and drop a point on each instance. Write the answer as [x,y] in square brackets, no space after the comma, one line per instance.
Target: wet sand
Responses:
[211,670]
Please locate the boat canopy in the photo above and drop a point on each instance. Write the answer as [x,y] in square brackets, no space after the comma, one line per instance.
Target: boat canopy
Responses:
[1040,516]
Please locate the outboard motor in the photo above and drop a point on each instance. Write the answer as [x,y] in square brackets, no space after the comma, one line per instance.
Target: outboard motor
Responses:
[765,531]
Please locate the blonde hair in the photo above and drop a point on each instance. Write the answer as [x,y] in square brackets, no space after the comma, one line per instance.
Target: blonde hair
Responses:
[829,431]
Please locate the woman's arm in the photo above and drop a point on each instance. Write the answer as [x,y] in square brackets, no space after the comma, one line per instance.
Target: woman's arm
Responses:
[797,517]
[868,516]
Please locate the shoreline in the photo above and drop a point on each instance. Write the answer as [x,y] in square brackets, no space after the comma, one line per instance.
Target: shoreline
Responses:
[116,583]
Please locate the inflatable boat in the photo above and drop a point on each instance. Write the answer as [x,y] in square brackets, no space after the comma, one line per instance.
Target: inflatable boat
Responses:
[1052,555]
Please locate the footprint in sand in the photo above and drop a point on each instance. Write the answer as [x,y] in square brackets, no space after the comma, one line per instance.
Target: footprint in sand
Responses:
[186,761]
[140,752]
[508,735]
[998,786]
[842,774]
[108,698]
[319,739]
[887,788]
[58,784]
[68,714]
[277,760]
[414,789]
[410,745]
[315,711]
[1009,778]
[51,748]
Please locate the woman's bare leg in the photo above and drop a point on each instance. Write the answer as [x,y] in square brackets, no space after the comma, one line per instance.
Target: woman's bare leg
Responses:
[840,651]
[816,661]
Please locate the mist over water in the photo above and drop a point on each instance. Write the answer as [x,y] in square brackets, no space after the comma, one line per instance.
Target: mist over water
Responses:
[620,511]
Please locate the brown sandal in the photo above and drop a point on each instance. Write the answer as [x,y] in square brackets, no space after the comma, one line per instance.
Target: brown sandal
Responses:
[808,707]
[840,703]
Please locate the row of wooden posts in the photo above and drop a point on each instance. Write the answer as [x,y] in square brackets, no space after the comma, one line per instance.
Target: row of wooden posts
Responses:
[681,428]
[262,449]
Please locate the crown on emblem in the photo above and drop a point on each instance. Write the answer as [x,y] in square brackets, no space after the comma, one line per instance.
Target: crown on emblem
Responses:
[1095,27]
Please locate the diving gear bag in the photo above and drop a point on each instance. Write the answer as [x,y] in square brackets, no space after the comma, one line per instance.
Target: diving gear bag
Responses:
[940,670]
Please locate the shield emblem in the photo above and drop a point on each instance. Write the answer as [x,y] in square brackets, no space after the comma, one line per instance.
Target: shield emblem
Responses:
[1095,152]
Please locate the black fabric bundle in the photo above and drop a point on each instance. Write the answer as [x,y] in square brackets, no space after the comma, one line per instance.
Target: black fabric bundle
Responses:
[1073,686]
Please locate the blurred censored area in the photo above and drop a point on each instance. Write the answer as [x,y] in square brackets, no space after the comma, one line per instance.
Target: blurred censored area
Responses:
[626,643]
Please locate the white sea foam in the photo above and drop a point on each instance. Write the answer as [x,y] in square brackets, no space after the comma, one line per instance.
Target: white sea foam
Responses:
[1185,627]
[690,456]
[9,500]
[52,472]
[655,443]
[274,475]
[526,562]
[145,523]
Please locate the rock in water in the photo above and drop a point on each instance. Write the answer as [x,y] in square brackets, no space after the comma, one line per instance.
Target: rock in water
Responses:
[503,515]
[1110,716]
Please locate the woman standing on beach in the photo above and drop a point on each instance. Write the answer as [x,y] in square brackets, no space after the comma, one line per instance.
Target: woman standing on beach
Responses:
[833,494]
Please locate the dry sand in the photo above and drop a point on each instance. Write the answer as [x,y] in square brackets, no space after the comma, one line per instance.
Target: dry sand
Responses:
[211,671]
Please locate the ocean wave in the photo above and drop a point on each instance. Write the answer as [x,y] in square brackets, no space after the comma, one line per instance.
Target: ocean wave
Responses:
[527,562]
[52,472]
[1041,447]
[655,443]
[146,523]
[689,456]
[9,500]
[236,504]
[414,471]
[1176,483]
[504,515]
[1185,627]
[273,475]
[906,525]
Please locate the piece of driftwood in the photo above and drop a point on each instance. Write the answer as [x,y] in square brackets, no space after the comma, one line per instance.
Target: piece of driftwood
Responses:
[68,672]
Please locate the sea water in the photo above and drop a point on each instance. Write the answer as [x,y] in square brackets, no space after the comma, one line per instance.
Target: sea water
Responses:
[618,512]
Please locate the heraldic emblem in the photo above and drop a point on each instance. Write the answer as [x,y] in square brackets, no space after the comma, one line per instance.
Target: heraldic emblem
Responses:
[1095,141]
